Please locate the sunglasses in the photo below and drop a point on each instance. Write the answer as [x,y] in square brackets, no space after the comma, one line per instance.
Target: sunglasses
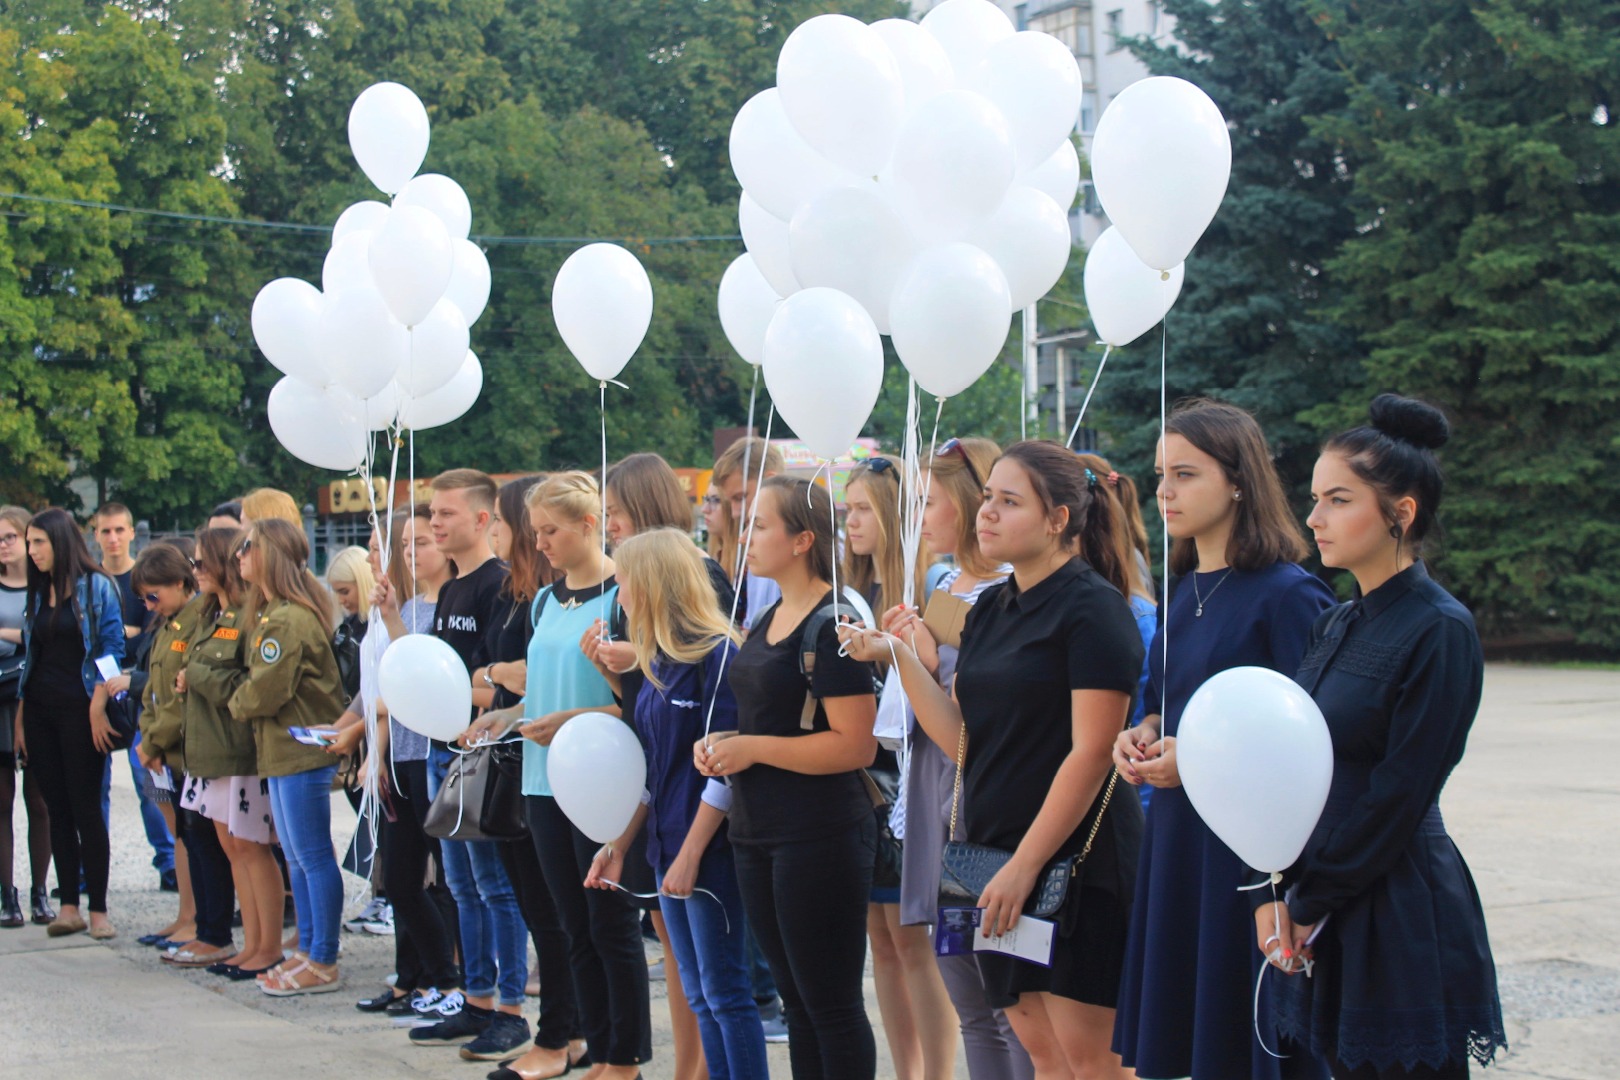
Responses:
[879,465]
[246,546]
[150,598]
[196,564]
[954,446]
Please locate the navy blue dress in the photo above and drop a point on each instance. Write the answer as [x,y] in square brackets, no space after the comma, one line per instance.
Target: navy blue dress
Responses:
[1187,993]
[1404,974]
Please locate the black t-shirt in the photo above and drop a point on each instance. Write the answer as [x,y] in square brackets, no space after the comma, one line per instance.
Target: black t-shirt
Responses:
[507,640]
[1022,653]
[772,804]
[134,612]
[468,606]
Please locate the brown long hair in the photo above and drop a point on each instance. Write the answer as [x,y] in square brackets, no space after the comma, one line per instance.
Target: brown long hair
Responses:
[527,573]
[647,489]
[723,539]
[401,574]
[806,508]
[1264,530]
[958,475]
[262,504]
[282,553]
[1096,530]
[885,568]
[1121,489]
[216,551]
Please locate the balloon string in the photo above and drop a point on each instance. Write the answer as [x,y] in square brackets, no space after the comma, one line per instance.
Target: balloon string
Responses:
[602,390]
[1164,524]
[907,508]
[666,896]
[1271,958]
[748,449]
[1094,380]
[748,537]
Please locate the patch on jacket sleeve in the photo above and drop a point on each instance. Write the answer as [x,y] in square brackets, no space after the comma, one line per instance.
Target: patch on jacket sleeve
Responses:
[269,650]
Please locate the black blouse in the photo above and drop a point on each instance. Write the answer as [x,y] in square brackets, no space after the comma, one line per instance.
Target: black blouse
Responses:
[1398,676]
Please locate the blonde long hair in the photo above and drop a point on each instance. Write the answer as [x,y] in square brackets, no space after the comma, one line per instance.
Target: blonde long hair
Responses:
[353,564]
[886,567]
[568,496]
[958,474]
[282,553]
[676,616]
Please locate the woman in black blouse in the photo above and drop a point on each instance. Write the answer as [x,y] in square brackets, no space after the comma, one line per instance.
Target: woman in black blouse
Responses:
[1048,666]
[1403,984]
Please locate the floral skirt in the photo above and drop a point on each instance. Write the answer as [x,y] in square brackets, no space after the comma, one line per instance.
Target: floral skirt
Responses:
[240,803]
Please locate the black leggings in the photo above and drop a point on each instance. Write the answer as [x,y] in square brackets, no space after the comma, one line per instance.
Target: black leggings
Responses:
[39,819]
[1449,1071]
[806,903]
[604,940]
[69,769]
[559,1004]
[422,941]
[211,883]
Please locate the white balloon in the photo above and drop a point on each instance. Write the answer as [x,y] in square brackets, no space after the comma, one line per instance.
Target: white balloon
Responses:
[766,238]
[1058,176]
[823,368]
[348,263]
[286,325]
[602,301]
[426,685]
[1256,760]
[364,345]
[1125,296]
[773,162]
[966,29]
[388,132]
[597,772]
[951,314]
[411,259]
[380,409]
[324,428]
[840,87]
[925,70]
[366,215]
[1034,80]
[1029,238]
[448,402]
[1160,161]
[852,240]
[469,280]
[954,160]
[442,197]
[747,303]
[438,347]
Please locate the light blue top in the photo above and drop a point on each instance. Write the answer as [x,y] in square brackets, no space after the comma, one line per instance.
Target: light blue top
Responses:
[560,677]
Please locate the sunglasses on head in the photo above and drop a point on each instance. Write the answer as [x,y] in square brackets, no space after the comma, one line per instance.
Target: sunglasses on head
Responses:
[954,446]
[879,465]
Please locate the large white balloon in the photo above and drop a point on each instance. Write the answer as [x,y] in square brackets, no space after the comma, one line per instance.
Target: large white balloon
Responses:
[773,162]
[1256,760]
[950,317]
[840,87]
[1125,296]
[388,132]
[469,280]
[348,264]
[1160,161]
[426,686]
[286,325]
[1034,80]
[411,259]
[364,345]
[966,29]
[852,240]
[438,347]
[925,70]
[602,301]
[597,771]
[766,238]
[442,197]
[366,215]
[1029,238]
[824,368]
[448,402]
[747,303]
[1058,176]
[324,428]
[954,160]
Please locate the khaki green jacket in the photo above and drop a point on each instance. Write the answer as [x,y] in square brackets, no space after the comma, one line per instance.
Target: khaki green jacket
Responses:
[163,710]
[292,682]
[215,744]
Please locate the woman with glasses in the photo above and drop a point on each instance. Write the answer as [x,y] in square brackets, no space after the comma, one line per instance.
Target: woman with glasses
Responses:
[13,596]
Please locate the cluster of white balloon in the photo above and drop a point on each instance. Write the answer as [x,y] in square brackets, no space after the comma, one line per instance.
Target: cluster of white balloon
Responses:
[384,342]
[903,179]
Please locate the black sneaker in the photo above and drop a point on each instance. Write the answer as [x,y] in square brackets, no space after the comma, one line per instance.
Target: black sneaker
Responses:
[505,1034]
[381,1002]
[469,1023]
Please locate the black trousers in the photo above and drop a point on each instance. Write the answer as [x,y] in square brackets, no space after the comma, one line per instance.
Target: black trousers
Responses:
[806,903]
[604,940]
[212,886]
[559,1002]
[69,768]
[1449,1071]
[423,936]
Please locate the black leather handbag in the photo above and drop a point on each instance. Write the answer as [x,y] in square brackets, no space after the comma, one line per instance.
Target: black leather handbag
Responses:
[482,796]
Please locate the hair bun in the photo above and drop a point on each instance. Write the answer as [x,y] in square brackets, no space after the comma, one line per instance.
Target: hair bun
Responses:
[1410,420]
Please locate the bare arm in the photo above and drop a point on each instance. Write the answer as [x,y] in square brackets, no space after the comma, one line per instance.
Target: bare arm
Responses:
[848,745]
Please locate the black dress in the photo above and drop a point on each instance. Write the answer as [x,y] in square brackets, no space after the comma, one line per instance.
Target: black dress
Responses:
[1403,975]
[1022,653]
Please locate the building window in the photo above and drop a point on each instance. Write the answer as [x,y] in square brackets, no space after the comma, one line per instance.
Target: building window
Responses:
[1065,24]
[1088,111]
[1116,29]
[1155,11]
[1020,16]
[1088,200]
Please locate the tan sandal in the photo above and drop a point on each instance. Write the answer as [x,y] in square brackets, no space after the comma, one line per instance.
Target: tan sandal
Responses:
[287,982]
[193,958]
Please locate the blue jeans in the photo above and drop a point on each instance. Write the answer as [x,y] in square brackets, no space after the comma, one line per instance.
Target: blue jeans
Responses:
[707,939]
[301,805]
[157,830]
[494,938]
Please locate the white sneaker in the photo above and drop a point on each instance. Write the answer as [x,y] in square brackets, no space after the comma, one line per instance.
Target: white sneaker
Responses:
[382,922]
[365,915]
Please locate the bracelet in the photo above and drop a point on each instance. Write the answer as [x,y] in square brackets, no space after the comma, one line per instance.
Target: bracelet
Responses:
[488,680]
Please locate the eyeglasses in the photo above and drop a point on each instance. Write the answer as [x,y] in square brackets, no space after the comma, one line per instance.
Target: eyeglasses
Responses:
[954,446]
[9,538]
[245,547]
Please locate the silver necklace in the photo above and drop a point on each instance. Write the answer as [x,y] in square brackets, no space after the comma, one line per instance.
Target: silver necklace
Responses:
[1202,600]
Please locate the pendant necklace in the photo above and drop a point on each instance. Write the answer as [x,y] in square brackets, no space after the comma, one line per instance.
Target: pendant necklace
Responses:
[1202,600]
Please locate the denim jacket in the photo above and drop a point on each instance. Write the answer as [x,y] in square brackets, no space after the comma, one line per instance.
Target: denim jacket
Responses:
[96,598]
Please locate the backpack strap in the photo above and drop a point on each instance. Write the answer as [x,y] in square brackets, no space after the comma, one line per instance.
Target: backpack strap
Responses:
[813,627]
[538,605]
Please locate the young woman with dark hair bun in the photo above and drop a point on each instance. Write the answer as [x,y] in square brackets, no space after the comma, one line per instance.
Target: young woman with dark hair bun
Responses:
[1403,984]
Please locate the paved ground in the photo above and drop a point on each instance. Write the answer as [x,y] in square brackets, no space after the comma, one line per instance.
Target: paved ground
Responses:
[1535,808]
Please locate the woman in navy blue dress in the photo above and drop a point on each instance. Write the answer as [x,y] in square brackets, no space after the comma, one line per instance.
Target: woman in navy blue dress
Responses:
[1241,599]
[1403,985]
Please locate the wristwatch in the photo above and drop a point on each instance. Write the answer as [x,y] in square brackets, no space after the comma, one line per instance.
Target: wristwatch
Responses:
[489,682]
